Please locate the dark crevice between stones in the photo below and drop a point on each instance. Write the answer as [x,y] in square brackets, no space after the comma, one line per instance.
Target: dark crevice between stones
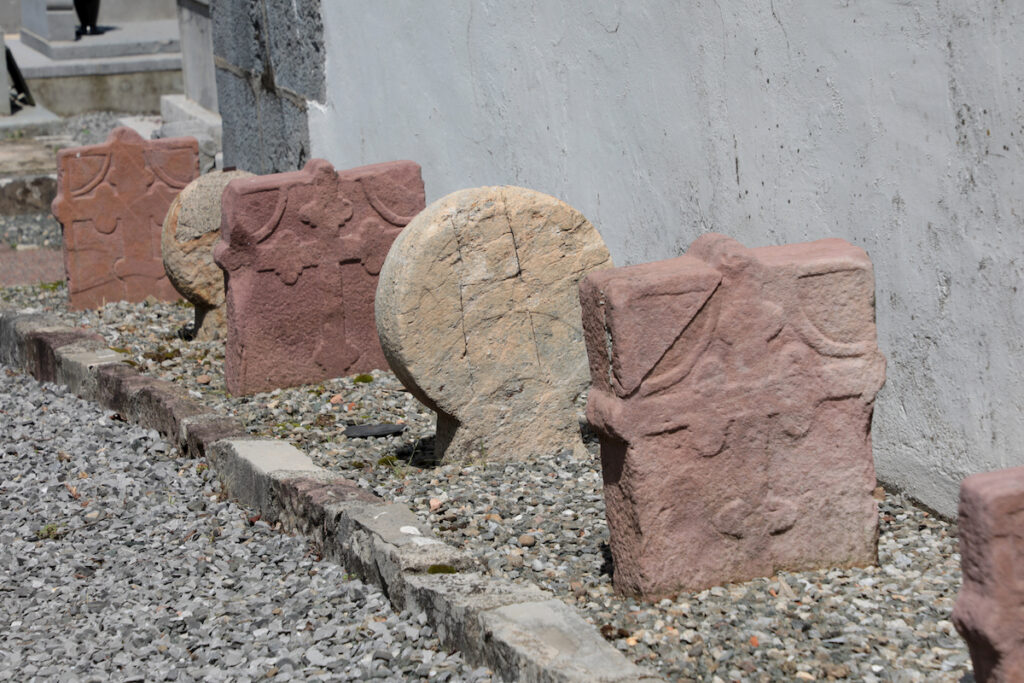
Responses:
[419,453]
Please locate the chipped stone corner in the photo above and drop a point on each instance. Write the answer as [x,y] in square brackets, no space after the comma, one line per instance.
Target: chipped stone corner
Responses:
[245,466]
[15,330]
[76,366]
[197,432]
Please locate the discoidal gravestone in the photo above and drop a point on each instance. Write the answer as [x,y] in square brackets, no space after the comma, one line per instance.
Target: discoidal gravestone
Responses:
[478,314]
[732,391]
[111,201]
[191,230]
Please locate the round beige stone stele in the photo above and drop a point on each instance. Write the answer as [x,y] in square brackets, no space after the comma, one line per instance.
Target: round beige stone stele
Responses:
[478,314]
[191,229]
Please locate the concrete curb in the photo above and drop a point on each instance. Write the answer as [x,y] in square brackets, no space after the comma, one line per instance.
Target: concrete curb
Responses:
[519,631]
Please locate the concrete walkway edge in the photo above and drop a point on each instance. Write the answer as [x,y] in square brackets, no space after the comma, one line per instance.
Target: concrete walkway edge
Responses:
[521,632]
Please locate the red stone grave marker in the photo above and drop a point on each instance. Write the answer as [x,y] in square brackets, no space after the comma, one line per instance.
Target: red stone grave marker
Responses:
[989,611]
[732,392]
[301,252]
[111,201]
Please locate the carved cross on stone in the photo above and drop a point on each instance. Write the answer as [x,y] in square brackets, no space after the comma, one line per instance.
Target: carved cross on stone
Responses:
[111,201]
[733,390]
[301,253]
[327,209]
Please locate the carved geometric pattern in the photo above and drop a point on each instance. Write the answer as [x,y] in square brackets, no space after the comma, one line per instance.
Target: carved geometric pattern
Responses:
[733,390]
[111,201]
[301,252]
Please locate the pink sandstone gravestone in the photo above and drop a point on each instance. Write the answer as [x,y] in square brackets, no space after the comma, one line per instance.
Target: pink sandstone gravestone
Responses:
[732,392]
[301,253]
[989,611]
[111,201]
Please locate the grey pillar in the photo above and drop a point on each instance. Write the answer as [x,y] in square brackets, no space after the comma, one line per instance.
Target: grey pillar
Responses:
[197,52]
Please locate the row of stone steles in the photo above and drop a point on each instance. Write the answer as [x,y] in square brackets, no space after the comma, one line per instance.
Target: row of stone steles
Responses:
[732,388]
[299,252]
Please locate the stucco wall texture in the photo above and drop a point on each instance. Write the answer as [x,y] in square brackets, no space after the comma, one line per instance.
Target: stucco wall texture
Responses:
[898,126]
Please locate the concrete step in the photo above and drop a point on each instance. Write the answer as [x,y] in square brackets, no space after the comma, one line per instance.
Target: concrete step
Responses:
[128,83]
[127,38]
[36,120]
[35,64]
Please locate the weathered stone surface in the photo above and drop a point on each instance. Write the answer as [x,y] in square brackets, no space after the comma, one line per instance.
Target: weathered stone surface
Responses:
[549,641]
[198,432]
[111,200]
[191,229]
[733,391]
[77,365]
[270,61]
[989,611]
[41,349]
[301,253]
[478,315]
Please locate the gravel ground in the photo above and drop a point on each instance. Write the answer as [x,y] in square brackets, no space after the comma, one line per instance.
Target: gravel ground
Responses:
[90,128]
[122,561]
[30,230]
[543,522]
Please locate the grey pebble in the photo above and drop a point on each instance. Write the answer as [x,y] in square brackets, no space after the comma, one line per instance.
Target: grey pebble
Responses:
[170,583]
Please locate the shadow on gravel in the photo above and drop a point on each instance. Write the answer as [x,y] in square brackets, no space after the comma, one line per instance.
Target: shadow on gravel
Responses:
[588,434]
[418,453]
[607,564]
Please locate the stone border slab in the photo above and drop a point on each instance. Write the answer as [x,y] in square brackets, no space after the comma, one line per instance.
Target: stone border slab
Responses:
[519,631]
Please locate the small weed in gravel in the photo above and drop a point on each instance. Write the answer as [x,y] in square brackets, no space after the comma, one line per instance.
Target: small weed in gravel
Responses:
[51,531]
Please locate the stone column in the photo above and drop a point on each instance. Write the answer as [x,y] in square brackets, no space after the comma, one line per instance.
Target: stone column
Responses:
[197,52]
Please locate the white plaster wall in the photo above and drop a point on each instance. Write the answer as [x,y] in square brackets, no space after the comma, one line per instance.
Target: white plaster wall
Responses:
[897,125]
